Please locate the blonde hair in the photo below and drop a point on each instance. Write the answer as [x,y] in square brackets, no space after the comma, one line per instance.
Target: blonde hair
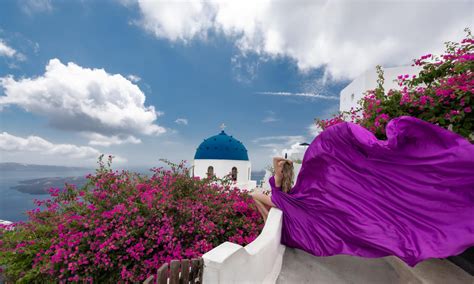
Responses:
[288,176]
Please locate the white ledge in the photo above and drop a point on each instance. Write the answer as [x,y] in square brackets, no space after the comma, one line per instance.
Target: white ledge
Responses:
[258,262]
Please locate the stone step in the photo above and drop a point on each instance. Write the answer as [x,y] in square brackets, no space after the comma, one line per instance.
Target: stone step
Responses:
[302,267]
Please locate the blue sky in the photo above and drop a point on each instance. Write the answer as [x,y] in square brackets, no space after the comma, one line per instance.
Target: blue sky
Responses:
[196,66]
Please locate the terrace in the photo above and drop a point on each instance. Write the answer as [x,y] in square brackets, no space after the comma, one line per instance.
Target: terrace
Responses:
[267,261]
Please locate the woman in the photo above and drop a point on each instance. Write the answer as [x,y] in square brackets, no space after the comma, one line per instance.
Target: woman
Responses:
[411,195]
[284,176]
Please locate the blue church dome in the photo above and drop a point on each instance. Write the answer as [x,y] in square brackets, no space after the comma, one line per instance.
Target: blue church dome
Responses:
[221,146]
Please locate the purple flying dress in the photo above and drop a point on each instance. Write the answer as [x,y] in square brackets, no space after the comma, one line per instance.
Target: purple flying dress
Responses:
[411,196]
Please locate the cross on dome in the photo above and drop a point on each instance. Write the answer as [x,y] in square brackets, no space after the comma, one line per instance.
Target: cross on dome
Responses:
[223,126]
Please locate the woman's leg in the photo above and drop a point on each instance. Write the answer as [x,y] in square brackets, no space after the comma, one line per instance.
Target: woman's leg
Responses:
[265,199]
[261,208]
[262,201]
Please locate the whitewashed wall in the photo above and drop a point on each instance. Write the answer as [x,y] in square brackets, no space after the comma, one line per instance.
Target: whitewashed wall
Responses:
[355,90]
[224,167]
[258,262]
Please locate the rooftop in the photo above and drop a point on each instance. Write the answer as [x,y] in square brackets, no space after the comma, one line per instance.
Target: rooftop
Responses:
[221,146]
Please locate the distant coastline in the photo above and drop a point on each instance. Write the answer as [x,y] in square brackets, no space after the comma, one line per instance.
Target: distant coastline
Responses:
[21,183]
[38,186]
[11,166]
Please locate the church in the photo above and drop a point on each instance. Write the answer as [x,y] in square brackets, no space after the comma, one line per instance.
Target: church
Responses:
[221,155]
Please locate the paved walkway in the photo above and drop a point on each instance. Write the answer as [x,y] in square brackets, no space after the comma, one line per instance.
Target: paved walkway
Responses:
[301,267]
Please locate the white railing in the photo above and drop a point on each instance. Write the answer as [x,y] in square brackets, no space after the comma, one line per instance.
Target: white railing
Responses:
[258,262]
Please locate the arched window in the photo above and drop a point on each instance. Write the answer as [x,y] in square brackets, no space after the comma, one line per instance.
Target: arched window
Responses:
[210,171]
[234,173]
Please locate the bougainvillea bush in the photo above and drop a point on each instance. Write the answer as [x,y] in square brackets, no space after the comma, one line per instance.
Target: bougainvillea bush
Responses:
[122,226]
[442,93]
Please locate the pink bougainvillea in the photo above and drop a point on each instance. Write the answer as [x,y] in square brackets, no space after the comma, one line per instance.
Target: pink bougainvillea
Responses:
[442,93]
[124,226]
[325,123]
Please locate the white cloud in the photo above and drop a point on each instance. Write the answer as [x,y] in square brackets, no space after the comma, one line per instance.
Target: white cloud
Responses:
[270,117]
[102,140]
[314,130]
[134,78]
[5,50]
[294,152]
[289,139]
[307,95]
[288,144]
[244,69]
[279,145]
[35,144]
[176,20]
[80,99]
[10,52]
[182,121]
[36,6]
[344,37]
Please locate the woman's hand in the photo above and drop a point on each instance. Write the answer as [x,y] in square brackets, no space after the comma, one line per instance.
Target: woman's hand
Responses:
[284,161]
[278,164]
[276,160]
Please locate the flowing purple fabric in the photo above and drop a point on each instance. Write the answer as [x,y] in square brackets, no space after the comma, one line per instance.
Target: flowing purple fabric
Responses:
[411,195]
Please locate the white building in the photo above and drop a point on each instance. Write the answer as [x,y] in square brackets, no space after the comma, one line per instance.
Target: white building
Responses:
[221,155]
[351,94]
[7,223]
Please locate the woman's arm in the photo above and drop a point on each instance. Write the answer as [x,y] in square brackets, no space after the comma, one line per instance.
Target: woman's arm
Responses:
[278,162]
[277,170]
[278,167]
[278,180]
[275,162]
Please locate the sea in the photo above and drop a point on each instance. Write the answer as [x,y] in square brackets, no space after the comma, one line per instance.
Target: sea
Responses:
[13,202]
[19,188]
